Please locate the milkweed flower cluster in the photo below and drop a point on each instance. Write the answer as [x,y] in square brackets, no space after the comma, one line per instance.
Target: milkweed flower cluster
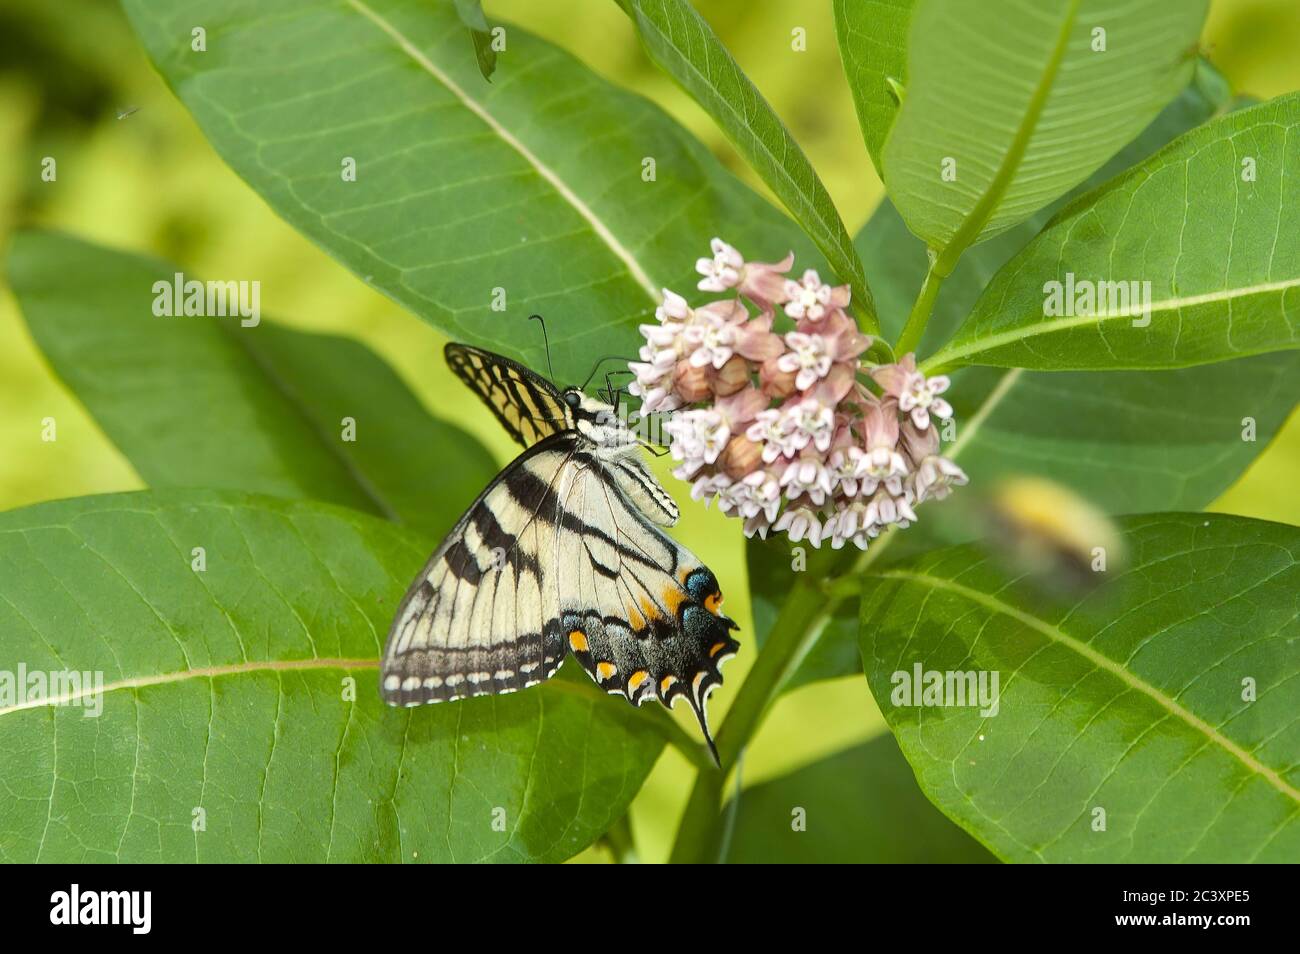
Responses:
[787,426]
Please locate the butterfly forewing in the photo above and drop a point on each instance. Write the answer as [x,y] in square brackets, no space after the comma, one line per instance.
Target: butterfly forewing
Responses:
[526,404]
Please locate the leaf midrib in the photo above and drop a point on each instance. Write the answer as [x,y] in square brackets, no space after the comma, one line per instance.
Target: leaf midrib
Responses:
[240,669]
[983,210]
[1170,304]
[1105,663]
[948,356]
[602,231]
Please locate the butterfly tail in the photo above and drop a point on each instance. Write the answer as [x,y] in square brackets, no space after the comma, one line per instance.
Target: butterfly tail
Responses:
[698,709]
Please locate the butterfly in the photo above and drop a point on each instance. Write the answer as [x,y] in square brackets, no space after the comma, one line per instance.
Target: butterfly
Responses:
[564,552]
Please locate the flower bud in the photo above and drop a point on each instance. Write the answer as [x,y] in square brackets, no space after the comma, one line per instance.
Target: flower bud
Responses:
[731,377]
[740,457]
[691,383]
[775,382]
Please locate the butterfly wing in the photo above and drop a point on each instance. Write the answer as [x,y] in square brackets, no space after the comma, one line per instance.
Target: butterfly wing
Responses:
[644,621]
[474,621]
[527,405]
[553,557]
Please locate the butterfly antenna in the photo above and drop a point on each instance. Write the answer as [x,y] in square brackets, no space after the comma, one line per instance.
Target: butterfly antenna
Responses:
[601,360]
[547,342]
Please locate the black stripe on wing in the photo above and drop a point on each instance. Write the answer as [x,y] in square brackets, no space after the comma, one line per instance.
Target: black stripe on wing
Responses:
[527,405]
[493,662]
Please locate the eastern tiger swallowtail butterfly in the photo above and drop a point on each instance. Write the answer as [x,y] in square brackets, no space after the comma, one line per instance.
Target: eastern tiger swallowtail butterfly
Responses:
[563,552]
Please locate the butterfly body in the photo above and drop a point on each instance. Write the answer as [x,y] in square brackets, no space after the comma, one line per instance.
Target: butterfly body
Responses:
[564,552]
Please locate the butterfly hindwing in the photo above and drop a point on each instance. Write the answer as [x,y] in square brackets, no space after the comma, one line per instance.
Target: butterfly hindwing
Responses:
[647,625]
[526,404]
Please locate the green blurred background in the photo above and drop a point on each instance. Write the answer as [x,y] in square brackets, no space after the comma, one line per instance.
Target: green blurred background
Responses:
[134,172]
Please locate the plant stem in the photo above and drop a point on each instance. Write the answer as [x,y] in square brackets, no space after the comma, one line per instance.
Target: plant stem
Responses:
[921,310]
[620,842]
[802,616]
[805,613]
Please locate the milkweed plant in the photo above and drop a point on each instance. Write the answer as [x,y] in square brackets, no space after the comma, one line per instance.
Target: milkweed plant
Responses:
[972,452]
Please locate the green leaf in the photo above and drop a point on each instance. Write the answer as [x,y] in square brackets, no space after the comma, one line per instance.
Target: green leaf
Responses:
[859,806]
[1129,442]
[1165,698]
[683,45]
[531,184]
[1027,110]
[471,14]
[226,690]
[899,258]
[872,37]
[206,402]
[1221,254]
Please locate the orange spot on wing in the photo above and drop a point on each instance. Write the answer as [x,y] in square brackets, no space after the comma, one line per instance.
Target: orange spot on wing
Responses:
[578,641]
[604,670]
[712,602]
[717,648]
[666,683]
[634,681]
[673,599]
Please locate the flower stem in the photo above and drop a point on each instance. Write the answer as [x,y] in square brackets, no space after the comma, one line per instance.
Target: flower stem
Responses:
[806,611]
[921,310]
[620,842]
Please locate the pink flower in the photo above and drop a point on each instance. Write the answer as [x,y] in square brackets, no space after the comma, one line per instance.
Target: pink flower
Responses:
[758,493]
[788,433]
[917,395]
[813,422]
[886,507]
[723,328]
[713,333]
[653,387]
[775,431]
[798,523]
[756,341]
[761,282]
[808,475]
[809,358]
[698,438]
[665,346]
[842,337]
[707,486]
[932,476]
[851,523]
[848,466]
[935,477]
[880,436]
[722,271]
[810,298]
